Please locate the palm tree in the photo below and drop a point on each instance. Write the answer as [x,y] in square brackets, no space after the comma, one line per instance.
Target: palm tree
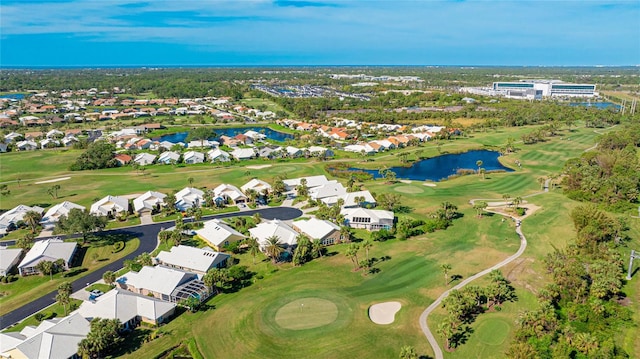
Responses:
[109,277]
[257,218]
[480,207]
[273,249]
[25,242]
[317,248]
[345,233]
[64,295]
[479,164]
[506,197]
[445,267]
[190,180]
[254,248]
[541,181]
[517,201]
[46,267]
[366,245]
[32,219]
[408,352]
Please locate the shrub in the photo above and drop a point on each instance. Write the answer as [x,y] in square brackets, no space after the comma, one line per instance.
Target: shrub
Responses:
[520,211]
[39,316]
[117,247]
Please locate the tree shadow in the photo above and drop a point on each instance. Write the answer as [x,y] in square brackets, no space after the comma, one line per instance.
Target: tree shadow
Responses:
[455,278]
[403,209]
[132,342]
[74,272]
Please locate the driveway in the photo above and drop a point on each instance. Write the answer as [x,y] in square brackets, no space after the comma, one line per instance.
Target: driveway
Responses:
[148,235]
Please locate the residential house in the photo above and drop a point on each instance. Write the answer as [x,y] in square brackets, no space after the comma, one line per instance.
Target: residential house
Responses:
[218,155]
[49,143]
[110,206]
[191,259]
[349,198]
[269,153]
[230,192]
[47,250]
[54,213]
[293,152]
[168,284]
[243,153]
[144,159]
[168,157]
[54,134]
[203,144]
[369,219]
[9,258]
[287,237]
[330,189]
[10,218]
[260,186]
[27,145]
[189,197]
[318,151]
[193,157]
[122,159]
[51,339]
[130,308]
[326,232]
[149,201]
[312,181]
[218,234]
[12,137]
[69,141]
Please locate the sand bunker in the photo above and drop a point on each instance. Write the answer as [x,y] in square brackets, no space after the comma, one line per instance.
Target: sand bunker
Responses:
[384,313]
[54,180]
[258,167]
[405,181]
[429,184]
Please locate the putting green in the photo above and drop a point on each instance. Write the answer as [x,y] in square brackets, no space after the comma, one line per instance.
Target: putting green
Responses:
[281,169]
[306,313]
[493,331]
[409,189]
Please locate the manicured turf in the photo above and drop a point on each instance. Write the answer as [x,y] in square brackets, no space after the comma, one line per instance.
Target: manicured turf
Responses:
[306,313]
[493,331]
[409,189]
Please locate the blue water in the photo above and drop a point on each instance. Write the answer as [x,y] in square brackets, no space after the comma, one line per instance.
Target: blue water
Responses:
[598,105]
[15,96]
[441,167]
[231,131]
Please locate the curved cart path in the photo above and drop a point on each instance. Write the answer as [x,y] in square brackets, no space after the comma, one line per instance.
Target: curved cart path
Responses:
[424,325]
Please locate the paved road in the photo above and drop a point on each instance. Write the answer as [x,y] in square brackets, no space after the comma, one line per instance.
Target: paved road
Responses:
[424,325]
[148,235]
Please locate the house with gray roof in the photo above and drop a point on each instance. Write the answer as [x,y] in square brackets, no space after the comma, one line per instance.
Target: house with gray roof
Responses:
[9,257]
[50,250]
[191,259]
[326,232]
[168,284]
[10,218]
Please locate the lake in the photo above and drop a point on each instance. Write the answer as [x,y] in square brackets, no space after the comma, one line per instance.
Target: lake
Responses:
[598,105]
[14,96]
[441,167]
[231,131]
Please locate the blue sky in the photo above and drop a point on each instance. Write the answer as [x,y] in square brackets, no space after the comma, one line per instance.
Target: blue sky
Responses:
[317,32]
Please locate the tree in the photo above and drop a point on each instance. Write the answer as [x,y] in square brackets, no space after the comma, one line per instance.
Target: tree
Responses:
[447,211]
[273,249]
[447,329]
[479,164]
[4,190]
[32,219]
[253,248]
[317,248]
[190,180]
[352,253]
[302,253]
[516,202]
[388,201]
[103,337]
[26,241]
[480,206]
[64,295]
[302,190]
[99,154]
[201,134]
[408,352]
[170,203]
[542,181]
[506,198]
[389,176]
[53,191]
[109,277]
[366,245]
[144,259]
[80,221]
[46,267]
[216,278]
[445,268]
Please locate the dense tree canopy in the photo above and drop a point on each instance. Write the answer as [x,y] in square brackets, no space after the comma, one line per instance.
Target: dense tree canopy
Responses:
[98,155]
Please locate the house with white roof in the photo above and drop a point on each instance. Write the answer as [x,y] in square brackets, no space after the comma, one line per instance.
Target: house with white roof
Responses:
[144,159]
[49,143]
[330,189]
[230,192]
[318,151]
[51,339]
[69,141]
[169,284]
[54,134]
[110,206]
[27,145]
[312,181]
[9,258]
[257,185]
[287,237]
[255,135]
[360,148]
[168,157]
[193,157]
[218,155]
[243,153]
[203,144]
[365,198]
[369,219]
[130,308]
[326,232]
[47,250]
[149,201]
[293,152]
[54,213]
[189,197]
[13,136]
[219,234]
[191,259]
[10,218]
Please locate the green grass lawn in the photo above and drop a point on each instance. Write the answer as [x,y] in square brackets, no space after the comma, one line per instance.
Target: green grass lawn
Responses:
[102,287]
[26,289]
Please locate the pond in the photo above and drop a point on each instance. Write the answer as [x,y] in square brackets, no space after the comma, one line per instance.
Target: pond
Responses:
[13,96]
[598,105]
[231,131]
[441,167]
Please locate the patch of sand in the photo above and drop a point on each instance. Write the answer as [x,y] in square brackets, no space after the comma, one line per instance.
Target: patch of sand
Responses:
[131,196]
[384,313]
[405,181]
[429,184]
[54,180]
[258,167]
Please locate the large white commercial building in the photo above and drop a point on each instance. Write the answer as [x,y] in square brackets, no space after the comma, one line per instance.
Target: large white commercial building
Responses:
[535,89]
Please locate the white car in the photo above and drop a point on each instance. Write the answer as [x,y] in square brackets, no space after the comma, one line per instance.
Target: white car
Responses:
[96,293]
